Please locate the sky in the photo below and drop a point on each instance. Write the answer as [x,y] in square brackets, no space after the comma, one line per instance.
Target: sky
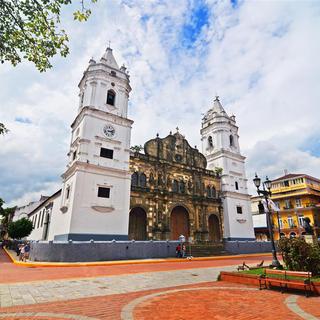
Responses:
[260,57]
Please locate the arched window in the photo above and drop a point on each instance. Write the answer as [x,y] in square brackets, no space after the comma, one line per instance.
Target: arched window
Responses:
[213,192]
[209,192]
[134,179]
[210,142]
[143,180]
[111,97]
[182,187]
[231,140]
[175,186]
[81,99]
[236,185]
[151,178]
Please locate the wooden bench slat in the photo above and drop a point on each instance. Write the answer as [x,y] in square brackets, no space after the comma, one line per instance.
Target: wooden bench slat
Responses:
[271,271]
[284,281]
[299,274]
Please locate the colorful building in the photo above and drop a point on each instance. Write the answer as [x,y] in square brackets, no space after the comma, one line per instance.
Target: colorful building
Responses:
[296,196]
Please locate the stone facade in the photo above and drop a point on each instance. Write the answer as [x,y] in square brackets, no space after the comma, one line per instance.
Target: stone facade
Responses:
[172,193]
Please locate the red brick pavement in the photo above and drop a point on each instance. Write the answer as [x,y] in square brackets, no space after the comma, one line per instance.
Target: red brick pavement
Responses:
[215,304]
[310,305]
[14,273]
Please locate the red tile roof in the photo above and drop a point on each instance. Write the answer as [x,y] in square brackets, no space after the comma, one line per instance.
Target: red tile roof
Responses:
[295,175]
[289,176]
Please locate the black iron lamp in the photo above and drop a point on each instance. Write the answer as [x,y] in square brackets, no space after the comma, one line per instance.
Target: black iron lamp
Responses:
[266,192]
[267,184]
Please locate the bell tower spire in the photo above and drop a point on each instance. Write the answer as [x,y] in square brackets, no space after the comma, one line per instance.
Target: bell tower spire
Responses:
[105,86]
[220,145]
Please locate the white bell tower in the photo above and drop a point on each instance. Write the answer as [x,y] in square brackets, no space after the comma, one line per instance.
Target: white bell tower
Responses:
[96,184]
[220,145]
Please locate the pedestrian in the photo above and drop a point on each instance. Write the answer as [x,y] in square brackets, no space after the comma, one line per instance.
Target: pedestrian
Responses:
[21,256]
[26,251]
[18,248]
[184,250]
[178,251]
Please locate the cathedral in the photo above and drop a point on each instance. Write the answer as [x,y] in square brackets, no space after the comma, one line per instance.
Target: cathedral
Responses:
[168,189]
[172,193]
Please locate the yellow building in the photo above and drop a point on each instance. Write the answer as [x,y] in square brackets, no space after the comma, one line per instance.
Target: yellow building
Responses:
[297,196]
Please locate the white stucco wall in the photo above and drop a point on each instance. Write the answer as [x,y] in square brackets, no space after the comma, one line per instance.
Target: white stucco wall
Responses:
[219,126]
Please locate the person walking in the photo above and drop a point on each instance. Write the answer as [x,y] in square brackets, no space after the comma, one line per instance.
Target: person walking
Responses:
[183,250]
[18,248]
[26,251]
[178,251]
[21,256]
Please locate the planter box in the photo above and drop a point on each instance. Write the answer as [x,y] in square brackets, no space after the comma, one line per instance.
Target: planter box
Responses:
[253,280]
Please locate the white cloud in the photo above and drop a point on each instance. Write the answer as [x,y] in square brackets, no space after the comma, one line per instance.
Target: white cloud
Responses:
[262,58]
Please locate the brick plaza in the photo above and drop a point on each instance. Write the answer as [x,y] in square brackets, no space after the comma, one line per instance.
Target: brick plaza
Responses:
[168,290]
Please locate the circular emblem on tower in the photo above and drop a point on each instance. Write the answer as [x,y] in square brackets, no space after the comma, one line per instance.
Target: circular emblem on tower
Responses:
[109,131]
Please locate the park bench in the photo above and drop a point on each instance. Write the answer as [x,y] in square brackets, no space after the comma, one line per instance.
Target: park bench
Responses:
[272,277]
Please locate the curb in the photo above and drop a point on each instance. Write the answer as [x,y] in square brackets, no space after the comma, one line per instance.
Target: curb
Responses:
[125,262]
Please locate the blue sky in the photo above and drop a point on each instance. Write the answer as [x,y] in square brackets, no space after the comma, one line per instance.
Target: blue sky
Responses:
[197,19]
[260,57]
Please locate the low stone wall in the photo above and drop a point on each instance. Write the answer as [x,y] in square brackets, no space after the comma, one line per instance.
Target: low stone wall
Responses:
[88,251]
[101,250]
[238,247]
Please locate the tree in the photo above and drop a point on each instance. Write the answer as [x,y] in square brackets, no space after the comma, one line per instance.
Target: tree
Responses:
[31,30]
[218,171]
[20,228]
[6,217]
[3,129]
[136,148]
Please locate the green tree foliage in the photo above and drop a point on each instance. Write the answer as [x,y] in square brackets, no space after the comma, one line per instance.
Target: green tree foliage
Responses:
[6,217]
[218,171]
[299,255]
[30,29]
[3,129]
[136,148]
[20,228]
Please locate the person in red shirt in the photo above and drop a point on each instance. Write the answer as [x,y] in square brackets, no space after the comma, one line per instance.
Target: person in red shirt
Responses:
[178,251]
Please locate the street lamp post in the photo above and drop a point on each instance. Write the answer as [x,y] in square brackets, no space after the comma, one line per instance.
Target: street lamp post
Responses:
[266,192]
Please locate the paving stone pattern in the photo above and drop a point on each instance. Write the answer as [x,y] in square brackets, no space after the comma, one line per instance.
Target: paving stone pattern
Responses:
[170,291]
[45,291]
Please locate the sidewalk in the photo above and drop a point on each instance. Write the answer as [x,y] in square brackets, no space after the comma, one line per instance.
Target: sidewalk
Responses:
[12,255]
[24,272]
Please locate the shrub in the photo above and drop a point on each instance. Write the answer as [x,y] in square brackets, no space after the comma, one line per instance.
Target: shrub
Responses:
[299,255]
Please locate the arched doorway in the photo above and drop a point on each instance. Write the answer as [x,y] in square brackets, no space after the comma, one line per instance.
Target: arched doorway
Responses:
[214,228]
[137,224]
[179,223]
